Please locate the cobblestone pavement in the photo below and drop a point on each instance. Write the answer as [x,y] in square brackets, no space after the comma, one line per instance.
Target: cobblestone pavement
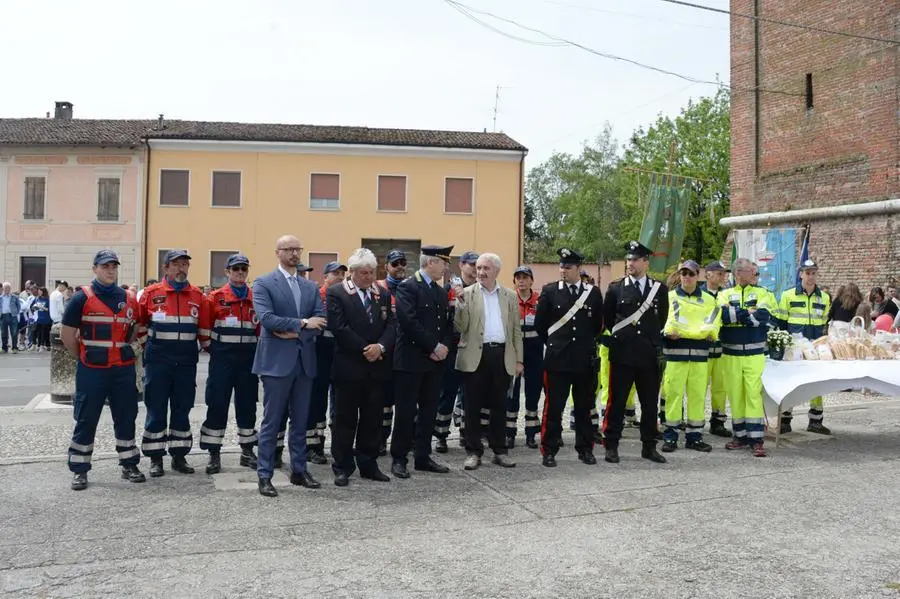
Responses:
[818,518]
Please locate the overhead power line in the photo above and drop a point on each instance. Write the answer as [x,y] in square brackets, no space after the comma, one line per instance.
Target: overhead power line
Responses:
[724,11]
[468,12]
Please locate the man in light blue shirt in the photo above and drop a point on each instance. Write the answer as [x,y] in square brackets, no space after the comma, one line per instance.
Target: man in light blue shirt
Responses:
[10,305]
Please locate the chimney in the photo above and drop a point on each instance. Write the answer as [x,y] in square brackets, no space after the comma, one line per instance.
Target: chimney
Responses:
[160,123]
[63,111]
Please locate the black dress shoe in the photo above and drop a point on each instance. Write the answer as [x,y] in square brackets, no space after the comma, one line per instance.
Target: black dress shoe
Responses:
[133,475]
[612,455]
[79,481]
[587,457]
[530,442]
[317,457]
[341,480]
[179,464]
[266,489]
[549,461]
[304,479]
[440,445]
[650,453]
[248,459]
[376,475]
[399,470]
[215,463]
[429,465]
[156,467]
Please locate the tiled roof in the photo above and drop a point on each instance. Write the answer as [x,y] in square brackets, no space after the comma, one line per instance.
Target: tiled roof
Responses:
[74,132]
[130,132]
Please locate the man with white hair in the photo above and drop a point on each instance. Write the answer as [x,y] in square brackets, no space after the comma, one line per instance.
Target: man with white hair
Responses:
[424,337]
[10,306]
[489,354]
[362,324]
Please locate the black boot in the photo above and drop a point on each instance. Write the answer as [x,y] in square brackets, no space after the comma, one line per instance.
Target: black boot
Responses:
[132,474]
[279,462]
[816,426]
[717,428]
[785,426]
[440,445]
[156,467]
[215,463]
[648,452]
[248,458]
[530,442]
[510,442]
[382,449]
[179,464]
[79,481]
[316,456]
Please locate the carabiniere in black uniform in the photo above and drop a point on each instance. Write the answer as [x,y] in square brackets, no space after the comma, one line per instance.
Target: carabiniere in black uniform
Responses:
[570,360]
[635,347]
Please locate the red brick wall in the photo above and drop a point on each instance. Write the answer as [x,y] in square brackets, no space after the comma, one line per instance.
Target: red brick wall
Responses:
[845,150]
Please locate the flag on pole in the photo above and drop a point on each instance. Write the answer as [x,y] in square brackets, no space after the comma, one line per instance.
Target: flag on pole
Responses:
[665,216]
[804,254]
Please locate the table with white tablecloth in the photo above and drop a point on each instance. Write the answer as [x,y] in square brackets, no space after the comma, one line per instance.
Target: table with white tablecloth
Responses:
[789,384]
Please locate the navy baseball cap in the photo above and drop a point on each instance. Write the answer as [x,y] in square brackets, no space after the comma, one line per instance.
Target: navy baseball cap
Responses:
[469,257]
[523,270]
[105,257]
[718,265]
[176,254]
[333,267]
[394,256]
[235,259]
[690,265]
[304,268]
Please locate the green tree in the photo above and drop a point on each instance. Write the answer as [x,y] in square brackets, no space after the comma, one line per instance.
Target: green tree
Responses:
[701,135]
[575,202]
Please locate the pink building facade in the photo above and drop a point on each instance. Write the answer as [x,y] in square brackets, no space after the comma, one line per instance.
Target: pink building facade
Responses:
[59,205]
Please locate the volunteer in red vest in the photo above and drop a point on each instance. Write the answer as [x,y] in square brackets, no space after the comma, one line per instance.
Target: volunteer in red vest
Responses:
[395,267]
[174,316]
[233,338]
[321,387]
[523,277]
[97,326]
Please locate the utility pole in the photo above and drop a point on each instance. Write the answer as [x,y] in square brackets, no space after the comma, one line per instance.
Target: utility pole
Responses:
[496,105]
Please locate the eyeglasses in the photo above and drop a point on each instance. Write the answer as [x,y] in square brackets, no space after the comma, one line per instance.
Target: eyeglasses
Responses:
[240,268]
[687,273]
[290,250]
[396,263]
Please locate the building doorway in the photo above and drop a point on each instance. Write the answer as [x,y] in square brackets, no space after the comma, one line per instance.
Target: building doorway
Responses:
[33,268]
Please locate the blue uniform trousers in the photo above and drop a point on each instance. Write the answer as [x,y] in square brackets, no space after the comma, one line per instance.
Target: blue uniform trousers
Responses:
[321,388]
[387,411]
[283,396]
[168,386]
[229,374]
[534,382]
[93,386]
[450,389]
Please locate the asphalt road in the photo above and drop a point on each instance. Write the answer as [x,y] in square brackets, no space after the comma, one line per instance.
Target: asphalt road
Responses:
[27,374]
[22,376]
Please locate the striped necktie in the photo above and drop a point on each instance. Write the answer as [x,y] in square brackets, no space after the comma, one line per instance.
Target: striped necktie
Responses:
[367,303]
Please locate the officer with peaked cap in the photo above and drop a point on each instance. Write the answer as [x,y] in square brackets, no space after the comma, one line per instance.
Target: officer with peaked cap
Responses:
[424,336]
[105,368]
[233,340]
[635,310]
[569,320]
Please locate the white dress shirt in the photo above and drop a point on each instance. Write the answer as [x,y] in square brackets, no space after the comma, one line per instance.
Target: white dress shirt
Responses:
[57,305]
[493,318]
[641,283]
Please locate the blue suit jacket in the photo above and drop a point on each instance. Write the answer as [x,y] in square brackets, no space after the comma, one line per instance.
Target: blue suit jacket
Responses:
[274,304]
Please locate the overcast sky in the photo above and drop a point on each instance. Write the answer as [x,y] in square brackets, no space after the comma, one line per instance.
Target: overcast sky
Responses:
[379,63]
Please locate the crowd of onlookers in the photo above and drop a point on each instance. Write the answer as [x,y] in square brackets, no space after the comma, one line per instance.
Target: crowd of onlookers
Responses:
[848,302]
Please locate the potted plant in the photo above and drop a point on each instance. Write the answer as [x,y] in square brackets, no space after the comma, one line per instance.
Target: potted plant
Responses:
[777,342]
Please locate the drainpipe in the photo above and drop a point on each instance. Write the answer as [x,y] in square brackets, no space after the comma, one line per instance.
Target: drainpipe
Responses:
[521,231]
[757,96]
[146,216]
[810,214]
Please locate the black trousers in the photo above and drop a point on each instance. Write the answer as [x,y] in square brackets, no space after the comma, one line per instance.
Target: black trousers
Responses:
[557,384]
[415,405]
[646,382]
[486,388]
[358,406]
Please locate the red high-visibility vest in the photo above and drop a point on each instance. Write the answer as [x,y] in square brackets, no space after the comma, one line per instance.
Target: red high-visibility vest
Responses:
[104,333]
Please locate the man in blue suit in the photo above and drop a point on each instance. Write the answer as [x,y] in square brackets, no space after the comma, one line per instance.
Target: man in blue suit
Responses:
[290,311]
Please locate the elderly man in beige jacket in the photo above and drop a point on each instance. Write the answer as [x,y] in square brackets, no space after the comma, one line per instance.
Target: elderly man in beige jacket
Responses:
[489,354]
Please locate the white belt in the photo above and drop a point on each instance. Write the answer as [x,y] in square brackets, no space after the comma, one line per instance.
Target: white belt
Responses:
[530,334]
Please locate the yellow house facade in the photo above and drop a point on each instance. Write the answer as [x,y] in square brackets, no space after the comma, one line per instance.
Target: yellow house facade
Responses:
[219,188]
